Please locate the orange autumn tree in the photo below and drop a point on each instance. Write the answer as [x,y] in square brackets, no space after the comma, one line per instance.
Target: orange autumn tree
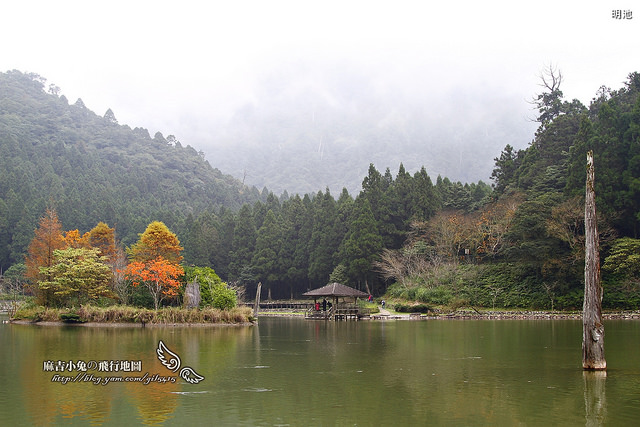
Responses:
[159,276]
[155,262]
[103,237]
[48,237]
[73,239]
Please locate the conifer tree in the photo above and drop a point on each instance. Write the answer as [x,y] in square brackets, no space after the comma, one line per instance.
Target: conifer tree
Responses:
[324,238]
[40,254]
[265,260]
[243,244]
[293,256]
[362,245]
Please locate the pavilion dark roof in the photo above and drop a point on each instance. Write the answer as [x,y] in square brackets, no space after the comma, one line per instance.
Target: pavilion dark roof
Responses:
[335,290]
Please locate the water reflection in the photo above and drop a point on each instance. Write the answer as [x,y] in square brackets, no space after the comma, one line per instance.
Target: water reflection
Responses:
[297,372]
[595,399]
[155,402]
[34,395]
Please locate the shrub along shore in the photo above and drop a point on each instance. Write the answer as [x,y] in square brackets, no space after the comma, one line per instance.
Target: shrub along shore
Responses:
[127,315]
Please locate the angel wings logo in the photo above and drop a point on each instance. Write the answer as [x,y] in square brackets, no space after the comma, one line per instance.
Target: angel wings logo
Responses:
[172,361]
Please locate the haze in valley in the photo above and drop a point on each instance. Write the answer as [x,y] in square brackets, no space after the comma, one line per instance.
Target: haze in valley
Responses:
[300,96]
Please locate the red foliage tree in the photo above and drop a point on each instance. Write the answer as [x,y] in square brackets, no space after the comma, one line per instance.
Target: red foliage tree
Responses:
[159,276]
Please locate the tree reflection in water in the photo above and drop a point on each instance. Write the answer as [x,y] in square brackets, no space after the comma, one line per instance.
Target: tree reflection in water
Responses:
[595,400]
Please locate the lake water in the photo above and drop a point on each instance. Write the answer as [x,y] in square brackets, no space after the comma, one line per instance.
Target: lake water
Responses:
[288,371]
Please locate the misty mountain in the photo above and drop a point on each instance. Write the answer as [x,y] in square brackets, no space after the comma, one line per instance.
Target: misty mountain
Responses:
[92,169]
[305,129]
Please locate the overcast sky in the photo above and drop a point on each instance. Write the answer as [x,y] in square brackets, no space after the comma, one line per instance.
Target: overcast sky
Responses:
[160,64]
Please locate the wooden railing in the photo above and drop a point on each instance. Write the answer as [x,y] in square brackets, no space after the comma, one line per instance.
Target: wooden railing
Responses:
[346,313]
[343,311]
[274,305]
[314,314]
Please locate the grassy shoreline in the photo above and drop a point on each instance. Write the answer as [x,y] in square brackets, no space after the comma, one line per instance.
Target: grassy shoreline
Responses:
[127,315]
[482,314]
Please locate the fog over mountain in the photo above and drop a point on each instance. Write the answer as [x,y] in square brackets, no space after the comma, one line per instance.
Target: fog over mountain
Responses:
[308,127]
[303,95]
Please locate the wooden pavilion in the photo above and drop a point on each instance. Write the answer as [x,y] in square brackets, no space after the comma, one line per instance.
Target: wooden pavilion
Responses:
[335,310]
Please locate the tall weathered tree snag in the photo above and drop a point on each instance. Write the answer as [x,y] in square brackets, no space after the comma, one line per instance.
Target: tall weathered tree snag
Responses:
[256,306]
[592,327]
[192,294]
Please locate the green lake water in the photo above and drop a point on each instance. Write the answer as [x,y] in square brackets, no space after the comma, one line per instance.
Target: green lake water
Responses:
[288,371]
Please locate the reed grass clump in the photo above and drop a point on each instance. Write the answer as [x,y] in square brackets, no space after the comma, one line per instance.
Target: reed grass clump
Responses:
[128,314]
[37,313]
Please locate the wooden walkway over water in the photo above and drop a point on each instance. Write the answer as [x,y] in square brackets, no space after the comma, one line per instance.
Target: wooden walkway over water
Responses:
[339,313]
[282,305]
[342,312]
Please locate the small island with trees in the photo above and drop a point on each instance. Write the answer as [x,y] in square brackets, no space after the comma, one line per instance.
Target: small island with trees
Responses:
[84,278]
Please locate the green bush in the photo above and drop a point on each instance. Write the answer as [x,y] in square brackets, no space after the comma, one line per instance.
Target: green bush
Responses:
[141,297]
[621,294]
[70,317]
[397,291]
[440,295]
[223,297]
[408,308]
[213,291]
[571,301]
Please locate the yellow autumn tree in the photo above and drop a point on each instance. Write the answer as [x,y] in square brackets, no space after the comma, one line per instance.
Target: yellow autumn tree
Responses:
[156,241]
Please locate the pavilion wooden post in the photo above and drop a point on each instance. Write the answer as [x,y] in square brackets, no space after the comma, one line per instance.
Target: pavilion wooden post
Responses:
[256,306]
[592,327]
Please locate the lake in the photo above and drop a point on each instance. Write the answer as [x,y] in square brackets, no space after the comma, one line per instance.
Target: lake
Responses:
[289,371]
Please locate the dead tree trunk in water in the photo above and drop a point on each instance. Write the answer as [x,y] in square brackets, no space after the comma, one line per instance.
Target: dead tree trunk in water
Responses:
[592,327]
[256,306]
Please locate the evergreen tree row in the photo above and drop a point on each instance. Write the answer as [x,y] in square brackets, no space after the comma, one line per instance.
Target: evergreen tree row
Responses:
[293,244]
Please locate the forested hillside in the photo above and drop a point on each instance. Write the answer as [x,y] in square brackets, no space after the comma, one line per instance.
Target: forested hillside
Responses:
[90,168]
[516,244]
